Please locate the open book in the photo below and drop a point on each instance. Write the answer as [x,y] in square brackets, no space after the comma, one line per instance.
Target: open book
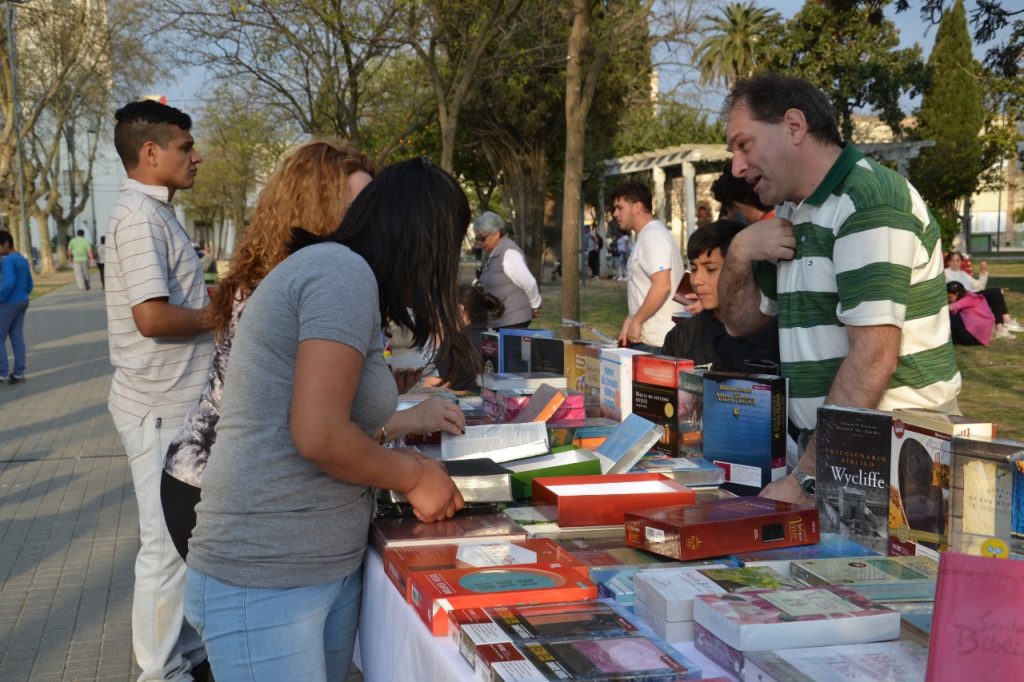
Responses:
[498,442]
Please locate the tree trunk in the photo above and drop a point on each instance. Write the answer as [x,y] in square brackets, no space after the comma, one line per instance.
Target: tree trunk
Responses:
[46,265]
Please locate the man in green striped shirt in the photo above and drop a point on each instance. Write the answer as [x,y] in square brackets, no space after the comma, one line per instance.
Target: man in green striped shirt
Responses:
[851,266]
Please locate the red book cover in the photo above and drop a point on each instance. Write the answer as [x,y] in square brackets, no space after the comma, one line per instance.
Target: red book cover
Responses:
[407,531]
[401,562]
[721,527]
[435,593]
[977,625]
[604,499]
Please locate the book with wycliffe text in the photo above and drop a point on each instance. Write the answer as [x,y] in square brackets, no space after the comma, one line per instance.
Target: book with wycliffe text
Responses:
[852,479]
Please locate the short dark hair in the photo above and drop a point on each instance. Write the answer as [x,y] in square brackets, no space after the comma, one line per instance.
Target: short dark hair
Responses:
[956,288]
[632,192]
[770,95]
[142,122]
[727,190]
[81,233]
[6,238]
[715,235]
[409,224]
[479,305]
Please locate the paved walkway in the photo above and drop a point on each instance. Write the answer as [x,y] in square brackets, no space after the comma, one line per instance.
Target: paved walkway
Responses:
[68,521]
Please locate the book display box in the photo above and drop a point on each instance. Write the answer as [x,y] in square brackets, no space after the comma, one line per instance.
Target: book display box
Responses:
[605,499]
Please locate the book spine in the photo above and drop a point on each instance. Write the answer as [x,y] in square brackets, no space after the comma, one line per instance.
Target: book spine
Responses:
[718,651]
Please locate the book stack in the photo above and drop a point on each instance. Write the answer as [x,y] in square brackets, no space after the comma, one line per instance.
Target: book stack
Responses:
[987,516]
[745,428]
[505,381]
[887,579]
[852,474]
[721,527]
[435,593]
[770,620]
[386,533]
[694,472]
[656,397]
[830,546]
[402,562]
[664,596]
[890,661]
[524,405]
[919,478]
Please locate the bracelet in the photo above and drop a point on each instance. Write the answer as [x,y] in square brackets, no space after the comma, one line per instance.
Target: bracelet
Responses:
[383,436]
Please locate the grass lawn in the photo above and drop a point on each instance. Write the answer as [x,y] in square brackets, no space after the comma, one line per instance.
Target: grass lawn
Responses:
[993,377]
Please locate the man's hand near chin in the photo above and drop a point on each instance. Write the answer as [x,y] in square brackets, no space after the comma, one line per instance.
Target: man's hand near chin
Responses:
[787,490]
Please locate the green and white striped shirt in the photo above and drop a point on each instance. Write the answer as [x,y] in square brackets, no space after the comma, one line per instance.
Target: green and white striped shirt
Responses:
[868,253]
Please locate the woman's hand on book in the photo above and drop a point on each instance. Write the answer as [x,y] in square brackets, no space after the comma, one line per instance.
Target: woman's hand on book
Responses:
[437,414]
[434,497]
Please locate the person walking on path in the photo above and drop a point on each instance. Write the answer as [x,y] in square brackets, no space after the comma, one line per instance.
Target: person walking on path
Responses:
[15,286]
[81,257]
[161,351]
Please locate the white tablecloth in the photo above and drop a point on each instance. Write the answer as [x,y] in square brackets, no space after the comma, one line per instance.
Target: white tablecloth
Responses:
[395,646]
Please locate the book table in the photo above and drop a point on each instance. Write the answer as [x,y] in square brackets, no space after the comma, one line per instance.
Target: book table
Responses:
[394,644]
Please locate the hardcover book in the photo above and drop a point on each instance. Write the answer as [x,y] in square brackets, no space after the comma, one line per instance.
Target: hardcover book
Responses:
[907,578]
[690,471]
[805,616]
[977,631]
[635,658]
[721,527]
[890,661]
[630,441]
[745,428]
[668,630]
[577,462]
[852,480]
[542,522]
[830,546]
[489,352]
[604,499]
[656,396]
[401,562]
[498,442]
[690,402]
[514,348]
[669,592]
[987,517]
[435,593]
[617,382]
[549,355]
[408,532]
[919,478]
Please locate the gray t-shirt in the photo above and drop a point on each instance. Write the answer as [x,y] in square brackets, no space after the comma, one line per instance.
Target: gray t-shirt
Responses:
[269,518]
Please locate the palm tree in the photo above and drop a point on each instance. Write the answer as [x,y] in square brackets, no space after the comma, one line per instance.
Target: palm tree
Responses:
[731,50]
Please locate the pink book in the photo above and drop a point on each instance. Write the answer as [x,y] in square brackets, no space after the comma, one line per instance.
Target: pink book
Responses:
[978,622]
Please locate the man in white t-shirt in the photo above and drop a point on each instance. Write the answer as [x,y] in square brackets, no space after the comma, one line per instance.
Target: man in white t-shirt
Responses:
[654,270]
[161,351]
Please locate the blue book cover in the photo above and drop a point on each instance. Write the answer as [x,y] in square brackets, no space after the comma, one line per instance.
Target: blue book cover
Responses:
[745,428]
[514,348]
[630,441]
[832,546]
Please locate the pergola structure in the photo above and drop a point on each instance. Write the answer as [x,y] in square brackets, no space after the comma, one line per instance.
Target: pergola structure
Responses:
[688,160]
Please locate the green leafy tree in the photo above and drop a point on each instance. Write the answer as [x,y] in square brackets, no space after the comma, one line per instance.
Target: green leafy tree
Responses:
[952,113]
[851,53]
[672,123]
[736,43]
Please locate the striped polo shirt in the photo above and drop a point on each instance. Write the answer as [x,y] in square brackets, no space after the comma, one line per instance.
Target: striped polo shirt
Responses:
[149,255]
[868,253]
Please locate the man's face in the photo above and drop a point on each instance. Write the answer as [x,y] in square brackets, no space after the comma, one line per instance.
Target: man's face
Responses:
[625,212]
[760,155]
[704,277]
[177,163]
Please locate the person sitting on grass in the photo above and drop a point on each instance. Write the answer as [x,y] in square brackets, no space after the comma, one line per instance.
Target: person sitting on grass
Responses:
[954,273]
[970,319]
[703,338]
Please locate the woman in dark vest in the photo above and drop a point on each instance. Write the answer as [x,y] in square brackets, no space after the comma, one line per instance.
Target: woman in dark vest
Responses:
[505,275]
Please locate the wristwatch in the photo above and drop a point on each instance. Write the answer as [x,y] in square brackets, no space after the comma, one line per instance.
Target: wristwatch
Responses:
[804,480]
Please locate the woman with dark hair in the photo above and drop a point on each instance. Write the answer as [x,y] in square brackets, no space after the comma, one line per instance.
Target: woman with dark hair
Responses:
[970,319]
[275,561]
[477,308]
[954,273]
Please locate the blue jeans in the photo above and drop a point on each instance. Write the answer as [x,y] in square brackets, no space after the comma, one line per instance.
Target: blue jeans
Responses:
[12,324]
[302,633]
